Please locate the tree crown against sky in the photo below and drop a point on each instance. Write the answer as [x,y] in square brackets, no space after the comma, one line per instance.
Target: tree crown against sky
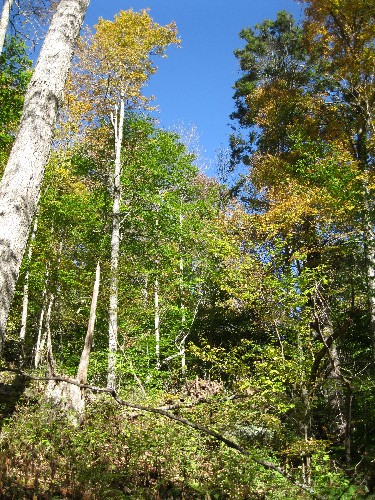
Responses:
[117,59]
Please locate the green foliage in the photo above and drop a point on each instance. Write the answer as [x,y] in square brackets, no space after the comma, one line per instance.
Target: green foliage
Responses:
[308,191]
[274,70]
[263,297]
[126,455]
[129,454]
[15,73]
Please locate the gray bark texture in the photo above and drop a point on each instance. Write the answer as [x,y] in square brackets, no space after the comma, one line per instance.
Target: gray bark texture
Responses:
[70,397]
[85,356]
[22,179]
[4,21]
[38,347]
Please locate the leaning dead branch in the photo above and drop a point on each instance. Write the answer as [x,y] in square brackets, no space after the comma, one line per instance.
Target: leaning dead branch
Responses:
[180,420]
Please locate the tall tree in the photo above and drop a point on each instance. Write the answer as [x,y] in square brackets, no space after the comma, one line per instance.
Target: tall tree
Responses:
[341,35]
[118,128]
[114,64]
[21,182]
[305,191]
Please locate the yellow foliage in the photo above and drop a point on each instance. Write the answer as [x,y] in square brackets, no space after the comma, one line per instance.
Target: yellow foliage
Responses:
[118,58]
[343,33]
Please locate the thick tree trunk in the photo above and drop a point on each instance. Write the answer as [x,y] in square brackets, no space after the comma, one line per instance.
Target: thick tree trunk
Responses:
[4,22]
[22,179]
[25,300]
[118,125]
[85,356]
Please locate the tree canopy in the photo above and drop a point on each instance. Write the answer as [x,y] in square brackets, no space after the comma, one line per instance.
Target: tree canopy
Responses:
[175,335]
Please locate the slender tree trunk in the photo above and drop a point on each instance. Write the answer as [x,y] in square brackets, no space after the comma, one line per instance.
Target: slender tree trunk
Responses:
[25,300]
[85,356]
[51,365]
[156,297]
[22,179]
[182,303]
[44,338]
[38,348]
[118,125]
[369,243]
[41,320]
[183,316]
[348,430]
[341,393]
[364,132]
[157,323]
[4,21]
[68,396]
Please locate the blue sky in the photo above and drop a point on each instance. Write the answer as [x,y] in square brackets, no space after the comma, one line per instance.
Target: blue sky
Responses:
[193,86]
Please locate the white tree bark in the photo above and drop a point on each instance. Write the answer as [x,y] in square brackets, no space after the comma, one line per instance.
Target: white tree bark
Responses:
[45,337]
[157,323]
[62,394]
[182,303]
[50,359]
[38,353]
[38,347]
[22,179]
[156,300]
[85,356]
[183,317]
[118,126]
[25,300]
[4,21]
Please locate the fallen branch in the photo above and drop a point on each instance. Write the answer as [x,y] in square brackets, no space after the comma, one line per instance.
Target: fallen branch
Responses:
[180,420]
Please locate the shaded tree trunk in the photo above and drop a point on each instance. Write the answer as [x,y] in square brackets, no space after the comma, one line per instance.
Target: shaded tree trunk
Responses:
[363,134]
[340,394]
[369,244]
[118,126]
[25,300]
[22,179]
